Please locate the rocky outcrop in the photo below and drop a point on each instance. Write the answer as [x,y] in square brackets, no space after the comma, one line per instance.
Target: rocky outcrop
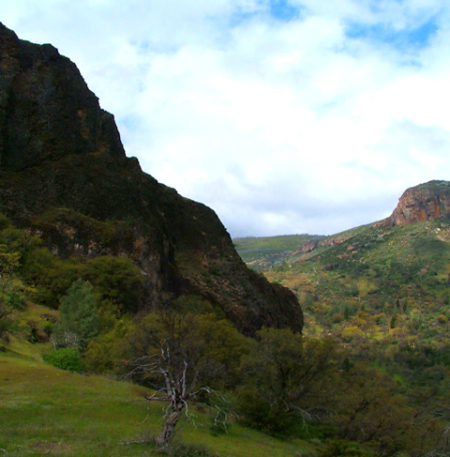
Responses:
[424,202]
[64,174]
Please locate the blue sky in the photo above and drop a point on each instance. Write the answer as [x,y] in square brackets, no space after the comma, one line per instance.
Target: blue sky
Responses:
[405,39]
[286,116]
[283,10]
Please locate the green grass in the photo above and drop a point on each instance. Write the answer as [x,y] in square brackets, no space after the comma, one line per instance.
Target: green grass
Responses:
[45,411]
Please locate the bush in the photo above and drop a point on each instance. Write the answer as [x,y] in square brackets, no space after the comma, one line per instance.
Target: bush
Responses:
[281,377]
[50,275]
[223,413]
[264,412]
[65,358]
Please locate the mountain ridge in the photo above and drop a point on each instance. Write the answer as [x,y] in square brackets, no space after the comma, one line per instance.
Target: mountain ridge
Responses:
[64,175]
[427,201]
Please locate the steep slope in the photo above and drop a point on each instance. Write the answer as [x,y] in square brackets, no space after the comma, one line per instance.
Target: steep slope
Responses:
[64,174]
[429,201]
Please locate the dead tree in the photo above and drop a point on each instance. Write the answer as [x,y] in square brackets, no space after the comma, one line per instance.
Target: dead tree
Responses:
[176,389]
[182,356]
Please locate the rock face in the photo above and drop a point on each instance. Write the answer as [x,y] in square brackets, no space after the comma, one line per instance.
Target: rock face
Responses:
[427,201]
[64,174]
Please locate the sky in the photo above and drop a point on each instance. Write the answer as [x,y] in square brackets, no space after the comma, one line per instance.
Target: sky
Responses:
[284,116]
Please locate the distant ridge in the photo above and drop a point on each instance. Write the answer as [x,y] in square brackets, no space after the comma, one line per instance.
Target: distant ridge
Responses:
[425,202]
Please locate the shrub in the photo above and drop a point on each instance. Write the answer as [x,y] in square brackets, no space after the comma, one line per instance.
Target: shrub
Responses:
[281,377]
[109,351]
[223,412]
[65,358]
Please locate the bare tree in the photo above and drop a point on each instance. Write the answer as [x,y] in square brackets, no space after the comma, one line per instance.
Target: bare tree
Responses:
[184,356]
[176,390]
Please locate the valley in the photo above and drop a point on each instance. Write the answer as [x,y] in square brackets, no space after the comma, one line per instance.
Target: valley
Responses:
[131,325]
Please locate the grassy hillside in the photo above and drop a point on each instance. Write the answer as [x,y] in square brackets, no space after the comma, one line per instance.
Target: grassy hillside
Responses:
[45,302]
[377,269]
[46,411]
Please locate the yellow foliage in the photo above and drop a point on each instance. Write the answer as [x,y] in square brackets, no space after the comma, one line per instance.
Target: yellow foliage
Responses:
[351,332]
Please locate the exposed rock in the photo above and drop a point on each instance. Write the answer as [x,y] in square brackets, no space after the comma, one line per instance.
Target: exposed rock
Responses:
[308,246]
[424,202]
[65,175]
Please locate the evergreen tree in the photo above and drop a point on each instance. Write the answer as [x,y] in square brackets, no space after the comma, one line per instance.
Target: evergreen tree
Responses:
[79,321]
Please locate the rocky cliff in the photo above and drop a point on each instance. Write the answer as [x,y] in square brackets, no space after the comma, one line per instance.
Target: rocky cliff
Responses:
[64,174]
[424,202]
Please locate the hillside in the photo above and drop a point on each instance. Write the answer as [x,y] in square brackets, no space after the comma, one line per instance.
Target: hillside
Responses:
[383,291]
[64,175]
[280,383]
[261,253]
[49,412]
[383,269]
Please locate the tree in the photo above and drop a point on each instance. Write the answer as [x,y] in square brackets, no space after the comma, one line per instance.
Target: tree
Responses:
[182,356]
[282,379]
[117,280]
[371,412]
[11,288]
[79,321]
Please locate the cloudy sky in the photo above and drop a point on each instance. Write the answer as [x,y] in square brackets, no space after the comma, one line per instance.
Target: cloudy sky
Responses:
[284,116]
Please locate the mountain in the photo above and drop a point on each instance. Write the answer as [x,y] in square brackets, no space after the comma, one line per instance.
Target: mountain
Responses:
[396,267]
[381,290]
[425,202]
[64,176]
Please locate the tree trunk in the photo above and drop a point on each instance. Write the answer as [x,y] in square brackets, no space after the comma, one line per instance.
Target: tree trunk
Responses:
[166,436]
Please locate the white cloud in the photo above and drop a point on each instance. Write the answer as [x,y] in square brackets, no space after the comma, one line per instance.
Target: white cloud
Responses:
[281,127]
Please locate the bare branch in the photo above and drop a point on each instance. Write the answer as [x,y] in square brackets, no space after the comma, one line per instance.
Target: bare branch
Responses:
[183,388]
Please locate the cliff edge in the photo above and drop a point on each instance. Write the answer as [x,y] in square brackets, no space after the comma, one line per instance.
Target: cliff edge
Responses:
[428,201]
[64,175]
